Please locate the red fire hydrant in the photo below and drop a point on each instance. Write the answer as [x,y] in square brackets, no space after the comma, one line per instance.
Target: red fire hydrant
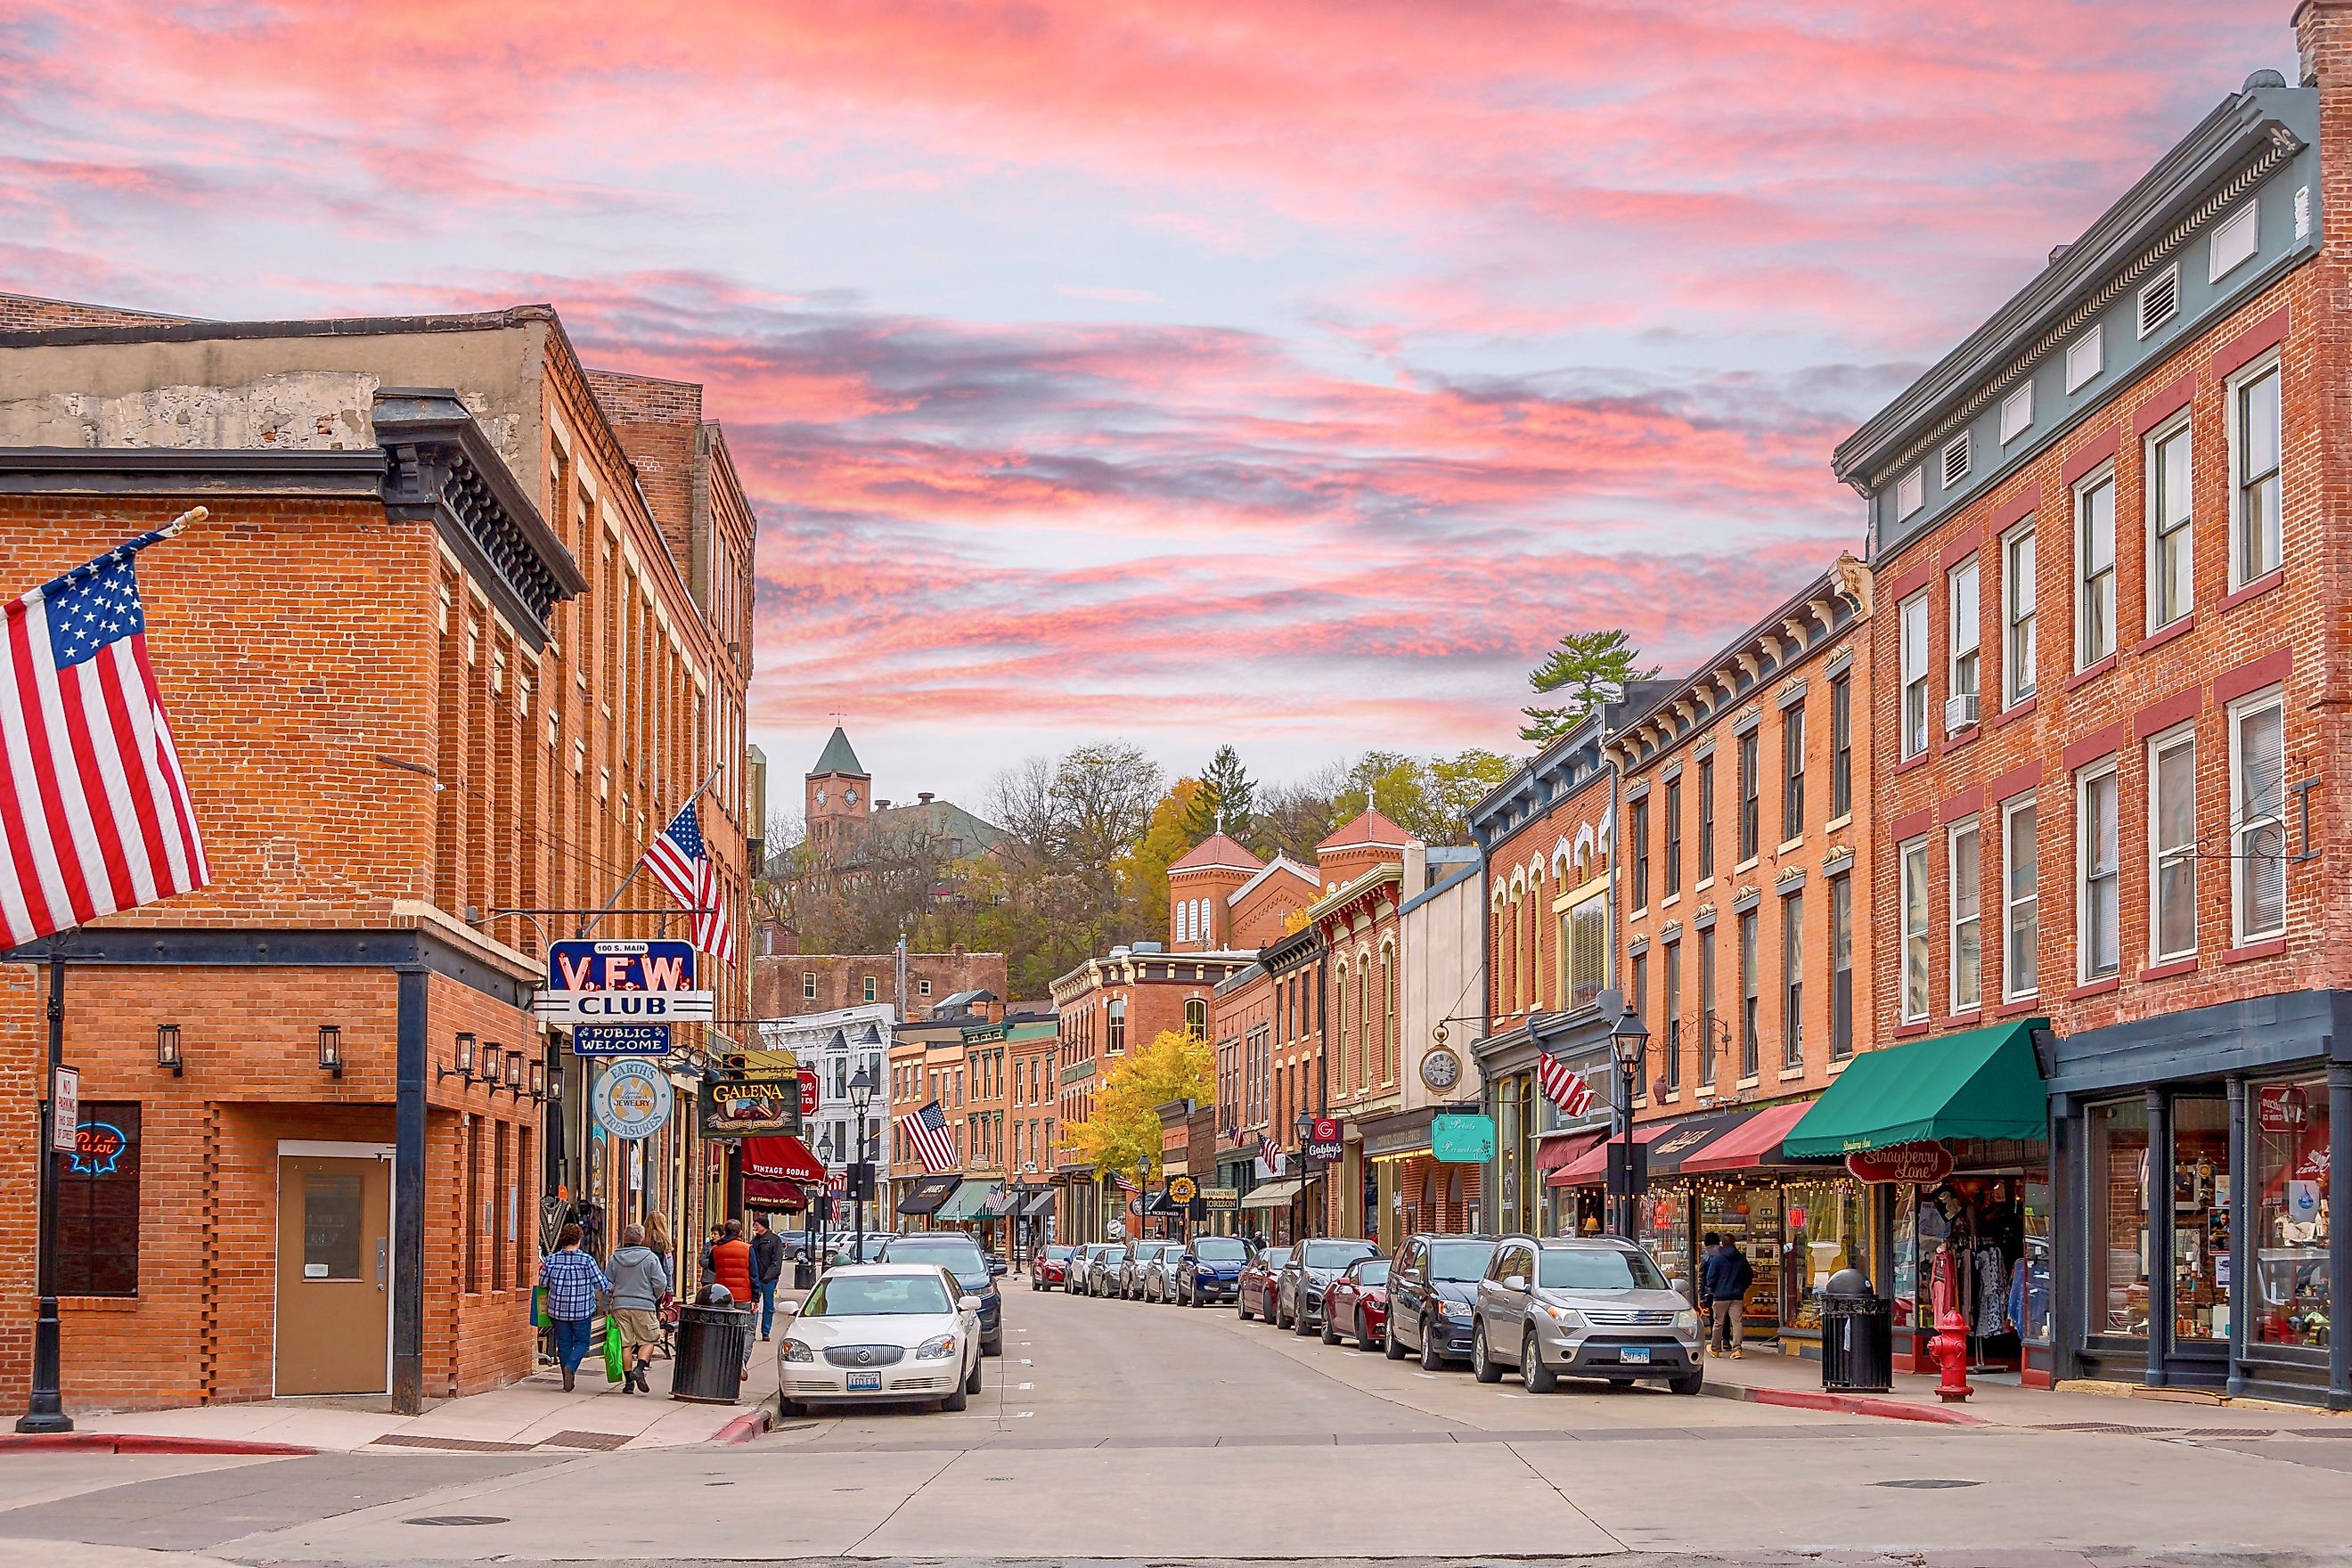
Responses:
[1950,1348]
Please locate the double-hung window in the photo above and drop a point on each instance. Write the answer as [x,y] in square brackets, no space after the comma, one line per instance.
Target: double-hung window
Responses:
[1670,858]
[2094,571]
[1967,932]
[2098,874]
[2172,587]
[2172,846]
[2258,801]
[1706,1008]
[2020,918]
[1748,787]
[1792,980]
[1637,827]
[1841,745]
[2016,650]
[1748,983]
[1913,864]
[1705,817]
[2254,459]
[1674,1018]
[1840,967]
[1913,616]
[1792,772]
[1960,685]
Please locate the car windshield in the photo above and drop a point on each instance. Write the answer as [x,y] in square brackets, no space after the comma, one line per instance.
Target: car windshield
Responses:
[1598,1268]
[1162,1248]
[1219,1249]
[1373,1273]
[878,1296]
[1459,1260]
[959,1253]
[1058,1255]
[1335,1254]
[1274,1256]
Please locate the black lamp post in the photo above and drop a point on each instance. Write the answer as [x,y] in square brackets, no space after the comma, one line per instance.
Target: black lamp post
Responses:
[861,1091]
[1142,1195]
[1630,1041]
[1305,1127]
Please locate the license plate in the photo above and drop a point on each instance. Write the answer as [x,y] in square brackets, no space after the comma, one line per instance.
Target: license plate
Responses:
[871,1381]
[1632,1355]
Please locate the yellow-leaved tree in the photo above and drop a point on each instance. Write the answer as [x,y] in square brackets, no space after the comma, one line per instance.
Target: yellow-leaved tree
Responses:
[1126,1125]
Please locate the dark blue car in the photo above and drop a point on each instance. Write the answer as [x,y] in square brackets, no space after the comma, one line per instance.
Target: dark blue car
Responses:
[1211,1269]
[960,1256]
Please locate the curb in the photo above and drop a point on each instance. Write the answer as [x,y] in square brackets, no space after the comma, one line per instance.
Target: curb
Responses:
[744,1428]
[140,1443]
[1847,1404]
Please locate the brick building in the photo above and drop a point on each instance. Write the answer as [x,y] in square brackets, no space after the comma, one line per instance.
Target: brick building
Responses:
[1356,923]
[1222,898]
[2112,594]
[786,984]
[1442,938]
[432,660]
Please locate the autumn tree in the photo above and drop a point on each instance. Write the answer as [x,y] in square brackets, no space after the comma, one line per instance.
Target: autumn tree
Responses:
[1143,870]
[1124,1128]
[1588,669]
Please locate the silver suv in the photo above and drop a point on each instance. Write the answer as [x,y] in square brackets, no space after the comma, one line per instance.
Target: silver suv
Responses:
[1571,1307]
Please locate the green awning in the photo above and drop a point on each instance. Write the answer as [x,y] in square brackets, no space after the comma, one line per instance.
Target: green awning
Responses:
[969,1200]
[1983,1083]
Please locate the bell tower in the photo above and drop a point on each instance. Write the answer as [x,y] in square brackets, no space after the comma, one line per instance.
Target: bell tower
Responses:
[838,790]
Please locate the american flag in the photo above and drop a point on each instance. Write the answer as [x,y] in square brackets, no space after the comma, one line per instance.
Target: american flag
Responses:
[1124,1183]
[94,812]
[1564,1088]
[677,861]
[927,1129]
[1269,1154]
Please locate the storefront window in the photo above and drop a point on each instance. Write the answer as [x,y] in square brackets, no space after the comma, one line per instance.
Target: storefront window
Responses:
[1903,1276]
[1828,1229]
[1663,1229]
[2289,1126]
[2200,1218]
[1508,1134]
[2029,1288]
[1750,1218]
[2117,1177]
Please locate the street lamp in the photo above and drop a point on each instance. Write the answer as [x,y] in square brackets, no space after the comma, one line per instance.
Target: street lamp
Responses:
[1142,1193]
[1631,1042]
[1306,1131]
[861,1091]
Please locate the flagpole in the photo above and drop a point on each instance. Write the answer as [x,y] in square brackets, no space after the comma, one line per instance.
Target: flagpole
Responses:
[591,925]
[44,1404]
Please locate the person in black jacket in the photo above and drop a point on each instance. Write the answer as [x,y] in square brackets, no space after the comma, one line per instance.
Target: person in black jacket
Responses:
[1723,1283]
[767,1268]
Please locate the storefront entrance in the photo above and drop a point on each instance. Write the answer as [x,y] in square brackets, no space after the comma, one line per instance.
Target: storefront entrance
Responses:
[334,1269]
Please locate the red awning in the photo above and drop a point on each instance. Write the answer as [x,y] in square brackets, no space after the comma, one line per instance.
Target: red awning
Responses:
[1756,1141]
[1554,1152]
[759,1193]
[1591,1167]
[781,1159]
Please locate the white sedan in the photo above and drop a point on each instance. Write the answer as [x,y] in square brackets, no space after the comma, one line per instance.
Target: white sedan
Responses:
[881,1333]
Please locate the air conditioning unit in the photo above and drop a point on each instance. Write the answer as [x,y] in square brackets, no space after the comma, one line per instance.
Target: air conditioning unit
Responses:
[1960,713]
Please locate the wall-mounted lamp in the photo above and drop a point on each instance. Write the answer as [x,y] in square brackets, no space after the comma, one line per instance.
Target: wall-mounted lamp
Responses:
[330,1049]
[555,1088]
[167,1049]
[490,1052]
[538,1081]
[514,1073]
[464,1060]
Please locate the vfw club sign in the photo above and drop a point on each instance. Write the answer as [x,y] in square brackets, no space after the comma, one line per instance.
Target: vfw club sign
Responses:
[620,982]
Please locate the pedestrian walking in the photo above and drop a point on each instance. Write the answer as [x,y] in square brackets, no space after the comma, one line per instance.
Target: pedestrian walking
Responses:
[639,1285]
[1723,1285]
[718,1235]
[731,1261]
[657,1237]
[574,1283]
[767,1268]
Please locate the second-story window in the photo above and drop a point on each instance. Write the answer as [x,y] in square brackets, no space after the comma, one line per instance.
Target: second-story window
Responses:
[1674,1018]
[1792,980]
[1748,787]
[1840,967]
[1196,1018]
[1749,982]
[1705,817]
[1912,628]
[2094,572]
[1960,692]
[1586,943]
[2098,918]
[2172,846]
[1792,772]
[1968,929]
[1637,828]
[2016,596]
[1115,1027]
[1671,857]
[1914,894]
[1707,1019]
[808,985]
[2254,493]
[2258,798]
[2171,585]
[1842,745]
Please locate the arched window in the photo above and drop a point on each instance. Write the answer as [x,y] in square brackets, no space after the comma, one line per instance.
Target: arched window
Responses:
[1339,1032]
[1364,1024]
[1499,948]
[1389,1022]
[1196,1018]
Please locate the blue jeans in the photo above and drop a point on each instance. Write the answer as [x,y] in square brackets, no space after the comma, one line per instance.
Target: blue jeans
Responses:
[767,1306]
[572,1340]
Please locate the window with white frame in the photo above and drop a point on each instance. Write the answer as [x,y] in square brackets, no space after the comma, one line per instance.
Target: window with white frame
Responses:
[2172,846]
[2171,587]
[1913,631]
[2094,571]
[2016,413]
[2017,600]
[2098,907]
[2235,240]
[1966,906]
[1910,494]
[2258,810]
[2254,493]
[2020,892]
[1915,930]
[2085,357]
[1960,678]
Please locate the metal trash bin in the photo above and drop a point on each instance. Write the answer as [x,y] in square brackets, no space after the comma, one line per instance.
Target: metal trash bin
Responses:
[1857,1336]
[711,1347]
[804,1272]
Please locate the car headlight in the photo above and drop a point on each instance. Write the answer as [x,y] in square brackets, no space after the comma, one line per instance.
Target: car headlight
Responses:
[1453,1309]
[797,1351]
[1687,1323]
[937,1349]
[1566,1317]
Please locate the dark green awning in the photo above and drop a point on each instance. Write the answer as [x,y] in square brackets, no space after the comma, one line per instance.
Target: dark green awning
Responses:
[1983,1083]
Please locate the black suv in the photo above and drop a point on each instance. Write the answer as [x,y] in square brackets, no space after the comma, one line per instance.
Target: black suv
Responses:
[1433,1290]
[975,1271]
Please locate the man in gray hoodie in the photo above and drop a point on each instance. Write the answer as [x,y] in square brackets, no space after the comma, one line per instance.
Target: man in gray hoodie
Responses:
[640,1280]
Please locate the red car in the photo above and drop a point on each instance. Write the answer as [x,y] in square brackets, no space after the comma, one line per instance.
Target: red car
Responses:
[1357,1306]
[1049,1267]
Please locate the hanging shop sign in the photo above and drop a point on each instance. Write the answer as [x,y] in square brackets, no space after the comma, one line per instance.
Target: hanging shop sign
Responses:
[620,981]
[759,1106]
[632,1099]
[1922,1163]
[1221,1200]
[808,1091]
[620,1041]
[1462,1138]
[1182,1189]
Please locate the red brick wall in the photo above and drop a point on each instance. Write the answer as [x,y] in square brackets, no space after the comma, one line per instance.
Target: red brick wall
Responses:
[779,984]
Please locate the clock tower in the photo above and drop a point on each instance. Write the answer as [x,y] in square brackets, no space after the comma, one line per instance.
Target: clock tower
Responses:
[838,789]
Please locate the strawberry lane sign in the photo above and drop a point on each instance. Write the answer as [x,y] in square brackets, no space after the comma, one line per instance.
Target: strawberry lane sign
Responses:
[1921,1163]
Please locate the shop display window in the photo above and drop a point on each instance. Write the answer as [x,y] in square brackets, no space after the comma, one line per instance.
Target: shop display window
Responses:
[1663,1230]
[2029,1288]
[2288,1126]
[2201,1219]
[1903,1275]
[1750,1218]
[1828,1228]
[2117,1175]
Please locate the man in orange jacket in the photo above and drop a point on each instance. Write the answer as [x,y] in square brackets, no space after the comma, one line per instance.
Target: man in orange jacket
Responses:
[730,1264]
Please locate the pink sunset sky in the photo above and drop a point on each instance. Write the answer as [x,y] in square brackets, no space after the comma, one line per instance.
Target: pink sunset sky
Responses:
[1287,374]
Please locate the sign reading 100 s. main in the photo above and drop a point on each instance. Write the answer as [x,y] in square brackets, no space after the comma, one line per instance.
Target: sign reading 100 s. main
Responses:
[620,982]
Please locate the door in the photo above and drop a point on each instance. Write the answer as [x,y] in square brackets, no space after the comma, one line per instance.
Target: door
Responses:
[334,1274]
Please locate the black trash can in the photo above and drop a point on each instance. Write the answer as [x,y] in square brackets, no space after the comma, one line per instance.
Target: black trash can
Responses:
[805,1273]
[712,1344]
[1857,1336]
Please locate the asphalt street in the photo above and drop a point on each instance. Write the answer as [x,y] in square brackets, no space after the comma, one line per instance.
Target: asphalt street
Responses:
[1171,1437]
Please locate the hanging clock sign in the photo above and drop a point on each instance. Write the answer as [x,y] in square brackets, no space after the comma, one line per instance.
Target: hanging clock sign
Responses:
[1441,1070]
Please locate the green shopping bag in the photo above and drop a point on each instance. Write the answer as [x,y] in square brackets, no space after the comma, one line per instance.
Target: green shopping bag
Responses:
[613,1368]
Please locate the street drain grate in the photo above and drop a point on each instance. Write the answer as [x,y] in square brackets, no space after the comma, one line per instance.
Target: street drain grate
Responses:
[2231,1432]
[448,1445]
[458,1519]
[1927,1486]
[603,1441]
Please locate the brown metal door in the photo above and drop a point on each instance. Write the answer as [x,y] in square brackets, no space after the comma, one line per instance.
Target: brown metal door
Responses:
[334,1274]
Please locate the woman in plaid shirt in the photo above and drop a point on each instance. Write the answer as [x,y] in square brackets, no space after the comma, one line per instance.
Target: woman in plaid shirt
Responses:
[574,1284]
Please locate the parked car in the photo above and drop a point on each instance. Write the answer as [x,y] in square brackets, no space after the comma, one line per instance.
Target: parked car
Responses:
[1159,1272]
[880,1333]
[1357,1304]
[1131,1265]
[1313,1264]
[1254,1287]
[845,1247]
[1102,1269]
[1582,1307]
[973,1269]
[1431,1289]
[1209,1270]
[1049,1267]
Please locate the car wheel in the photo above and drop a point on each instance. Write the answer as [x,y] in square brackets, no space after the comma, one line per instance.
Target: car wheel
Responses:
[971,1384]
[1330,1328]
[1241,1307]
[957,1400]
[1482,1366]
[993,1347]
[789,1409]
[1299,1323]
[1390,1345]
[1432,1360]
[1539,1378]
[1689,1382]
[1364,1338]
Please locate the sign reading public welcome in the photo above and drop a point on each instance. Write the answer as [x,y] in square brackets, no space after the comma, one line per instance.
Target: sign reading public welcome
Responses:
[620,982]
